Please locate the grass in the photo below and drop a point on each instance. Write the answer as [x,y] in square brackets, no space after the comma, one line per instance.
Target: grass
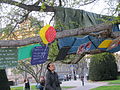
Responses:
[21,88]
[114,82]
[113,87]
[68,86]
[17,88]
[34,88]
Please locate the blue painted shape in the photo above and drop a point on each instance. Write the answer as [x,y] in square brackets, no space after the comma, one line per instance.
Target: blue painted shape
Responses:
[115,28]
[116,49]
[67,41]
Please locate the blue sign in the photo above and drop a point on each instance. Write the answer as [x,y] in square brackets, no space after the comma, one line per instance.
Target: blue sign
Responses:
[39,55]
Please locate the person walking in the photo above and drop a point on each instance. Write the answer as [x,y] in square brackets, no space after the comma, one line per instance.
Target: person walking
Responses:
[52,81]
[82,80]
[42,83]
[27,84]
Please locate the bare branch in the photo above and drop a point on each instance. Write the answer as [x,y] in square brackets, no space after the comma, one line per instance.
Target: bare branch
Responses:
[87,3]
[27,7]
[78,57]
[24,18]
[60,3]
[65,33]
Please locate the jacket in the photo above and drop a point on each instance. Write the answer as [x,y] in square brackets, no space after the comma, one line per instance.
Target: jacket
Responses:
[52,82]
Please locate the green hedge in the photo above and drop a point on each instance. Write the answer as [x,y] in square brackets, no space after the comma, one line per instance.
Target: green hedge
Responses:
[103,67]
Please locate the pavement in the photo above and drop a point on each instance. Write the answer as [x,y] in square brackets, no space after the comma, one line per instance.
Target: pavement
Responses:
[78,85]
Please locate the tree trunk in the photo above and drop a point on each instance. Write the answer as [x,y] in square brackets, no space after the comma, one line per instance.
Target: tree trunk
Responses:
[3,80]
[65,33]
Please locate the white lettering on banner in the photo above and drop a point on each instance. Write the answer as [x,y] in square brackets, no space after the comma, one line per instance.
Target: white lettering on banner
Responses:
[8,57]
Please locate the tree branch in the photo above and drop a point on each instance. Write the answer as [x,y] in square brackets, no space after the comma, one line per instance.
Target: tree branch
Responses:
[78,57]
[65,33]
[87,3]
[27,7]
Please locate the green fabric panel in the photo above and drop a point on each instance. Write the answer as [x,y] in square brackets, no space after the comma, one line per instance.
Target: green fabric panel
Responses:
[74,18]
[26,51]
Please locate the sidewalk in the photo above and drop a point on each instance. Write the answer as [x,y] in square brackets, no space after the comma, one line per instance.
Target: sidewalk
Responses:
[78,85]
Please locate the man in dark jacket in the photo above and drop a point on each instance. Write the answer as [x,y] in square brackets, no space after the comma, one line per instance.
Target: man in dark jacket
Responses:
[52,82]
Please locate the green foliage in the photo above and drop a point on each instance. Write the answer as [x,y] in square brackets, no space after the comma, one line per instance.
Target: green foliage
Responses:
[43,6]
[69,58]
[6,31]
[35,23]
[103,67]
[53,51]
[60,26]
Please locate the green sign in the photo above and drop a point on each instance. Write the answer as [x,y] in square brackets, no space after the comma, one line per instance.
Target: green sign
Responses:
[26,51]
[8,57]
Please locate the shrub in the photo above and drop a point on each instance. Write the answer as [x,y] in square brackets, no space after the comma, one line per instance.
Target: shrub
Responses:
[103,67]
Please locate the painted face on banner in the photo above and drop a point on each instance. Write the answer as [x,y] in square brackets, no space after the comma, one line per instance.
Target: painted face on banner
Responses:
[84,47]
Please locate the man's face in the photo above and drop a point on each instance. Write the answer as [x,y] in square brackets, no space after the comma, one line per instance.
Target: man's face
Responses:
[52,67]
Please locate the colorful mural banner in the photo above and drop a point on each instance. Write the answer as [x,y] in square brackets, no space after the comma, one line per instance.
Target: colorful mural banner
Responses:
[39,55]
[8,57]
[83,44]
[26,51]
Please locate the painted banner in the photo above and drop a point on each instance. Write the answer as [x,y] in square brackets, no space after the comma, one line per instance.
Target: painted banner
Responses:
[39,55]
[114,46]
[84,47]
[26,51]
[105,44]
[8,57]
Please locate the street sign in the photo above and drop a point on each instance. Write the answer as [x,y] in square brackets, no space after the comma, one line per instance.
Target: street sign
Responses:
[39,55]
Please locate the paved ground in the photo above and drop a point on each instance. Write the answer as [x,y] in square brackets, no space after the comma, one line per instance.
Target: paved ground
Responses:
[78,85]
[87,86]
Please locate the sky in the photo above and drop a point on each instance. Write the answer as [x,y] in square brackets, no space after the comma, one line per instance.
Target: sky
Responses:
[99,7]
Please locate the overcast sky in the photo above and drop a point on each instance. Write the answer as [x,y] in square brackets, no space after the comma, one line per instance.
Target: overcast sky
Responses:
[100,7]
